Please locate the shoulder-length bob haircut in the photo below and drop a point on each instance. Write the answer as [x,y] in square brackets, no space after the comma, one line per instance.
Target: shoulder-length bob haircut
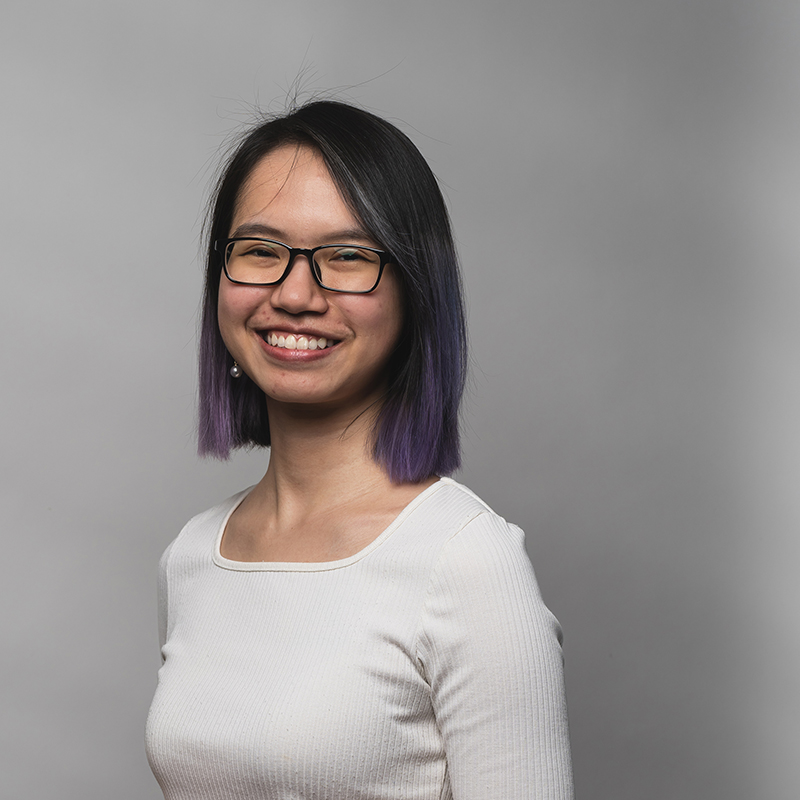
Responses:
[391,190]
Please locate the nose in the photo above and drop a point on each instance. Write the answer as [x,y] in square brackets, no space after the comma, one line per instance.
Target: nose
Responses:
[298,292]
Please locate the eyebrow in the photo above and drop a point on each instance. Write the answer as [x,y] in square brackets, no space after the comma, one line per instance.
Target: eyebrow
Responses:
[259,230]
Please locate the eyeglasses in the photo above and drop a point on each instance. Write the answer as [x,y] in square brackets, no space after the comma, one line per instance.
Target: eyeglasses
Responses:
[336,267]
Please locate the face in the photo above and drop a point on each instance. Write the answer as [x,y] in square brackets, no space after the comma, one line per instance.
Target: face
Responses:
[342,342]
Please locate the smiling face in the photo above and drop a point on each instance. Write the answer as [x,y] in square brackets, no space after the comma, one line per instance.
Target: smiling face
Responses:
[298,342]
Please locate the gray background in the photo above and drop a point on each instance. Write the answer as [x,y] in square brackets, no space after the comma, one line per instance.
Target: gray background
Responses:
[624,177]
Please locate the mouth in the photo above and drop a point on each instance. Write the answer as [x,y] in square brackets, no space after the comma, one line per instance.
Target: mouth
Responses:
[292,341]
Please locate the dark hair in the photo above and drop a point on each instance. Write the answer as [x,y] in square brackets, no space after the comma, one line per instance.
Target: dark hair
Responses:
[391,190]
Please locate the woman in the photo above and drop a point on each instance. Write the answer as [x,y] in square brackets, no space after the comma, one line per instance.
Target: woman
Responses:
[356,625]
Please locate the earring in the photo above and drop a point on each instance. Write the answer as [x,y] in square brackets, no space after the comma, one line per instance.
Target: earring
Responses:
[236,371]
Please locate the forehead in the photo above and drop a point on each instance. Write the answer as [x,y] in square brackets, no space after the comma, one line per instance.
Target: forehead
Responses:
[291,188]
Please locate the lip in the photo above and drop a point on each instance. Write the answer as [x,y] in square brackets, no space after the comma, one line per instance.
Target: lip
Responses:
[296,356]
[309,333]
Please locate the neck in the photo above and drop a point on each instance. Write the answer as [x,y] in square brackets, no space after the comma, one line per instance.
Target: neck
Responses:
[320,460]
[323,496]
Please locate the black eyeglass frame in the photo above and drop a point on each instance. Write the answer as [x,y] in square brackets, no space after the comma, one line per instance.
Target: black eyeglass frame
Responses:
[222,245]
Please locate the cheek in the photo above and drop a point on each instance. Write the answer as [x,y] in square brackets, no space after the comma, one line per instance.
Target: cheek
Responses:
[391,313]
[384,325]
[235,305]
[393,322]
[226,313]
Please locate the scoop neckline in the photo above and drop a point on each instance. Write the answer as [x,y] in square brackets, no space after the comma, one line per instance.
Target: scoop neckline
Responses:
[314,566]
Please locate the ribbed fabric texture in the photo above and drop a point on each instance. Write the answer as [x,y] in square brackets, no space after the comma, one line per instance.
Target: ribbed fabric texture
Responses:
[425,667]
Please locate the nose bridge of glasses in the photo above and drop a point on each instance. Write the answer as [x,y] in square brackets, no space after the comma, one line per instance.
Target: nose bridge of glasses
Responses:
[293,253]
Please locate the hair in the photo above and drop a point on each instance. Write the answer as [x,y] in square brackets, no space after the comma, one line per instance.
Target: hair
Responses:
[392,191]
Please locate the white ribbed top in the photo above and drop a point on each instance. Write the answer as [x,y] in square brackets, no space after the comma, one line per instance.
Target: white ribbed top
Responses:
[424,667]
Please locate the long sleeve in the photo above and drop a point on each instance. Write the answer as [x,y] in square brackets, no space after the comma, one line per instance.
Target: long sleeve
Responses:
[491,651]
[163,598]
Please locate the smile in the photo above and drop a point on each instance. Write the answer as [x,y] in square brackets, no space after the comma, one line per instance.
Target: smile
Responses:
[297,342]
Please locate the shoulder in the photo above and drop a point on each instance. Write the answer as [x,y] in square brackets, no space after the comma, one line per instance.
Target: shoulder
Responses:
[483,589]
[444,512]
[483,556]
[475,553]
[201,531]
[478,533]
[448,507]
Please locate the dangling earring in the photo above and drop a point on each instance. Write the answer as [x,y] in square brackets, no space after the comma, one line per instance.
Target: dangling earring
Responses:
[236,371]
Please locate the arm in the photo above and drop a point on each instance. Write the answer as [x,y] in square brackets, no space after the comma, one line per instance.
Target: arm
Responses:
[491,651]
[163,599]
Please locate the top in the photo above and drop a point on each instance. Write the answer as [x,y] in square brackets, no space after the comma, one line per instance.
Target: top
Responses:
[424,667]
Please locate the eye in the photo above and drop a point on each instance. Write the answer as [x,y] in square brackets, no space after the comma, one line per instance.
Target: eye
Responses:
[261,250]
[352,254]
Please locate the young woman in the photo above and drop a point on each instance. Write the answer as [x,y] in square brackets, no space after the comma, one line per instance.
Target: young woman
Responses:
[356,625]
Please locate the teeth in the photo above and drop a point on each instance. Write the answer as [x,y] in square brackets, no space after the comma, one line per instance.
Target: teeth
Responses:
[292,342]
